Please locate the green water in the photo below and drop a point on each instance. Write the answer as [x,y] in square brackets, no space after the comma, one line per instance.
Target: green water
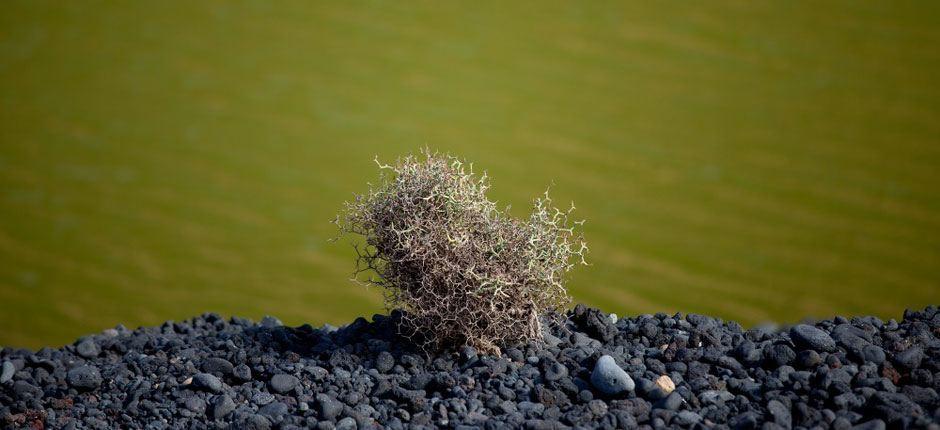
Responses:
[755,161]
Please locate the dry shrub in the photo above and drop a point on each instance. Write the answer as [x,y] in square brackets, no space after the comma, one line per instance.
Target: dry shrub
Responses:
[464,271]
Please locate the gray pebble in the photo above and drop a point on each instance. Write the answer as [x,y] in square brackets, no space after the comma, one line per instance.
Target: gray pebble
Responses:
[347,423]
[609,378]
[328,407]
[6,374]
[195,404]
[282,382]
[270,322]
[87,349]
[318,373]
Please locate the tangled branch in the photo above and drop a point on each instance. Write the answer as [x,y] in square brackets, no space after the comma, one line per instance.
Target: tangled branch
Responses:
[464,271]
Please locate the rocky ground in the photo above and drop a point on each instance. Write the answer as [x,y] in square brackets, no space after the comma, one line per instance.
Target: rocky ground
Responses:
[594,371]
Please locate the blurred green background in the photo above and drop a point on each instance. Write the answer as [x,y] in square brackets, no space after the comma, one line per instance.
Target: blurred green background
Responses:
[759,161]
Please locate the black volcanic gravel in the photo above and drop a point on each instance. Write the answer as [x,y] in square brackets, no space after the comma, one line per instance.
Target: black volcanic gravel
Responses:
[687,371]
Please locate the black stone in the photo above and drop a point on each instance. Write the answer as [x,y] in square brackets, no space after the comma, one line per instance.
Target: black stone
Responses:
[910,358]
[672,402]
[26,390]
[780,413]
[274,410]
[384,362]
[364,375]
[84,378]
[218,366]
[555,372]
[808,359]
[222,405]
[809,337]
[254,422]
[242,373]
[207,382]
[195,404]
[262,398]
[779,355]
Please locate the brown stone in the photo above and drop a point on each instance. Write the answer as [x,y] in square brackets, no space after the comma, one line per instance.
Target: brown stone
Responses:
[665,383]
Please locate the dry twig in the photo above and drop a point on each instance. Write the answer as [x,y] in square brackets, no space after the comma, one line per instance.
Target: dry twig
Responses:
[464,271]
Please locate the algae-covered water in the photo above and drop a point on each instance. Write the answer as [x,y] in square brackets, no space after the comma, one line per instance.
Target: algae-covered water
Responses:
[752,160]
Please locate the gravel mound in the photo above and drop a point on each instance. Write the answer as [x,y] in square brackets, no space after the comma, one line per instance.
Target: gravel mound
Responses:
[594,371]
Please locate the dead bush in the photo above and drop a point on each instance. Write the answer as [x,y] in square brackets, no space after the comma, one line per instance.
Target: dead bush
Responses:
[464,271]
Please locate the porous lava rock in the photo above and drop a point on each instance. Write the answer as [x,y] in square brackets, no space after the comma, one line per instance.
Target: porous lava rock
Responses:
[690,371]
